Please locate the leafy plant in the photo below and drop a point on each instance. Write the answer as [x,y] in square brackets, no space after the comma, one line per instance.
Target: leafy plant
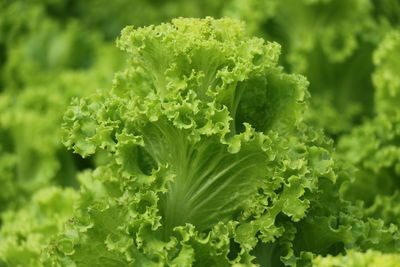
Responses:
[204,149]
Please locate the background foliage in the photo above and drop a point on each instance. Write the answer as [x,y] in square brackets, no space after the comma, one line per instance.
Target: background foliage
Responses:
[342,197]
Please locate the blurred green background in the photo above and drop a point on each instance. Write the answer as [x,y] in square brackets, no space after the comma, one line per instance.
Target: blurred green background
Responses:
[54,50]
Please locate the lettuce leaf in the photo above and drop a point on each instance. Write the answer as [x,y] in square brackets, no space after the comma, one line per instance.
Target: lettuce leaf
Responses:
[197,172]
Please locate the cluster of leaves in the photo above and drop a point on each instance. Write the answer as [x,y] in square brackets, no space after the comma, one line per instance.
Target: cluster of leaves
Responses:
[195,146]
